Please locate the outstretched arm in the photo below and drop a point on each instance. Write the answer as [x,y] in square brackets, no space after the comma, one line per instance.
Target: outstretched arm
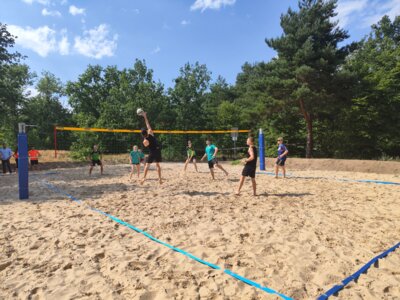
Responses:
[147,123]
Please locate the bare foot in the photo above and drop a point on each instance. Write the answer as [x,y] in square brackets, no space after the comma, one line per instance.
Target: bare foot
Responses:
[142,181]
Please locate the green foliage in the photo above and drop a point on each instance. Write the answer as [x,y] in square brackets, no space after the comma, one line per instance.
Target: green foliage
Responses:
[325,98]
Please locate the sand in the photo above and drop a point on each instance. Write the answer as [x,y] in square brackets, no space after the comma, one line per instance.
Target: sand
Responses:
[299,236]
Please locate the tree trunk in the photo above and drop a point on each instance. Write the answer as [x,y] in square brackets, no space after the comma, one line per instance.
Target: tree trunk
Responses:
[308,119]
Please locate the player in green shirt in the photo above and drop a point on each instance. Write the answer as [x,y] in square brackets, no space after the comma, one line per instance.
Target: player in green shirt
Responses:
[211,154]
[191,156]
[96,157]
[135,157]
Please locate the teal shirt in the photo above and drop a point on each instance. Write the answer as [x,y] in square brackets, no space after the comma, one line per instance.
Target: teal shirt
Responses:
[136,156]
[210,152]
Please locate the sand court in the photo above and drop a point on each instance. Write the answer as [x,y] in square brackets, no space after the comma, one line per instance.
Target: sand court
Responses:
[299,237]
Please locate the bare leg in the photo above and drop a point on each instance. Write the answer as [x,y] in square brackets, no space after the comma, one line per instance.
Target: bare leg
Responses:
[195,166]
[130,177]
[90,170]
[212,173]
[186,163]
[138,170]
[242,178]
[159,172]
[221,168]
[276,171]
[146,169]
[101,169]
[284,171]
[254,184]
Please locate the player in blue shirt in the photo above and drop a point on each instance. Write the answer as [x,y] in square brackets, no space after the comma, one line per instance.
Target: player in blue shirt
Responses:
[5,155]
[281,159]
[211,154]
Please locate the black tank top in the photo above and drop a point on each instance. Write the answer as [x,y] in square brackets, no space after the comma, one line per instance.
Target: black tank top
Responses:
[153,144]
[252,163]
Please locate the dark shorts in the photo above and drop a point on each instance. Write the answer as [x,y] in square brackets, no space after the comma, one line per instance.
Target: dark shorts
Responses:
[16,162]
[212,162]
[96,162]
[280,162]
[154,157]
[135,164]
[34,162]
[249,171]
[193,159]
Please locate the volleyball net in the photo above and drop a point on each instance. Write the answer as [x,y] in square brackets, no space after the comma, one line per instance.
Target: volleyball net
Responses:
[79,141]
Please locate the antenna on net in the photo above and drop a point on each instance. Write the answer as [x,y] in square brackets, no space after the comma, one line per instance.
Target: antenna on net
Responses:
[234,135]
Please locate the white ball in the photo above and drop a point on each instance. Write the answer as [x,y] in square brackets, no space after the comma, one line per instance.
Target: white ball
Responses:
[139,111]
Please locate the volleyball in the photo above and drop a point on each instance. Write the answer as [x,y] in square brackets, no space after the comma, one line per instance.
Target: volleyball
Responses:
[140,112]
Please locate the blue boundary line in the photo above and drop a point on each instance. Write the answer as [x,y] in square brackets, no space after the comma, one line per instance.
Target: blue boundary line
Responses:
[356,275]
[187,254]
[338,179]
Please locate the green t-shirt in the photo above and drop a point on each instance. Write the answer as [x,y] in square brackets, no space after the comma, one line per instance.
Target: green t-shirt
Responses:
[136,156]
[95,155]
[190,152]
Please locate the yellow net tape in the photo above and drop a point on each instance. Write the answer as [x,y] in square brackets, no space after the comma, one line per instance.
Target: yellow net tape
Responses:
[155,131]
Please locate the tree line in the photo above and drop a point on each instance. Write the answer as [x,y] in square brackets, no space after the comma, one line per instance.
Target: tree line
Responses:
[325,97]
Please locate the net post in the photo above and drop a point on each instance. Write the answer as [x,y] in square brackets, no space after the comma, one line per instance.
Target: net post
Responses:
[261,148]
[23,178]
[55,141]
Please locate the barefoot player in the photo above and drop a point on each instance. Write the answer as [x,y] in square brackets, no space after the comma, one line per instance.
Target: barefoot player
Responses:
[281,159]
[211,154]
[96,159]
[135,157]
[154,148]
[191,156]
[250,166]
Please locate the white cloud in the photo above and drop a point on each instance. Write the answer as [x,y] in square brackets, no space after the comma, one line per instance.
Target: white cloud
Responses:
[210,4]
[41,40]
[43,2]
[31,92]
[63,45]
[96,42]
[185,22]
[156,50]
[347,9]
[52,13]
[73,10]
[364,13]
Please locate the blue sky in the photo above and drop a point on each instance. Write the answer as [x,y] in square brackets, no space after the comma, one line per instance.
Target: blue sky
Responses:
[64,36]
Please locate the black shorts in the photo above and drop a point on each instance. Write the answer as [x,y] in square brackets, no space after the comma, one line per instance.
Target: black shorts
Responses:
[249,171]
[212,162]
[34,162]
[280,162]
[16,162]
[136,164]
[154,157]
[193,159]
[96,162]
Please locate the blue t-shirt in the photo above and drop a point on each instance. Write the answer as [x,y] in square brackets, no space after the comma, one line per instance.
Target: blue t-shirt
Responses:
[281,149]
[5,153]
[210,152]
